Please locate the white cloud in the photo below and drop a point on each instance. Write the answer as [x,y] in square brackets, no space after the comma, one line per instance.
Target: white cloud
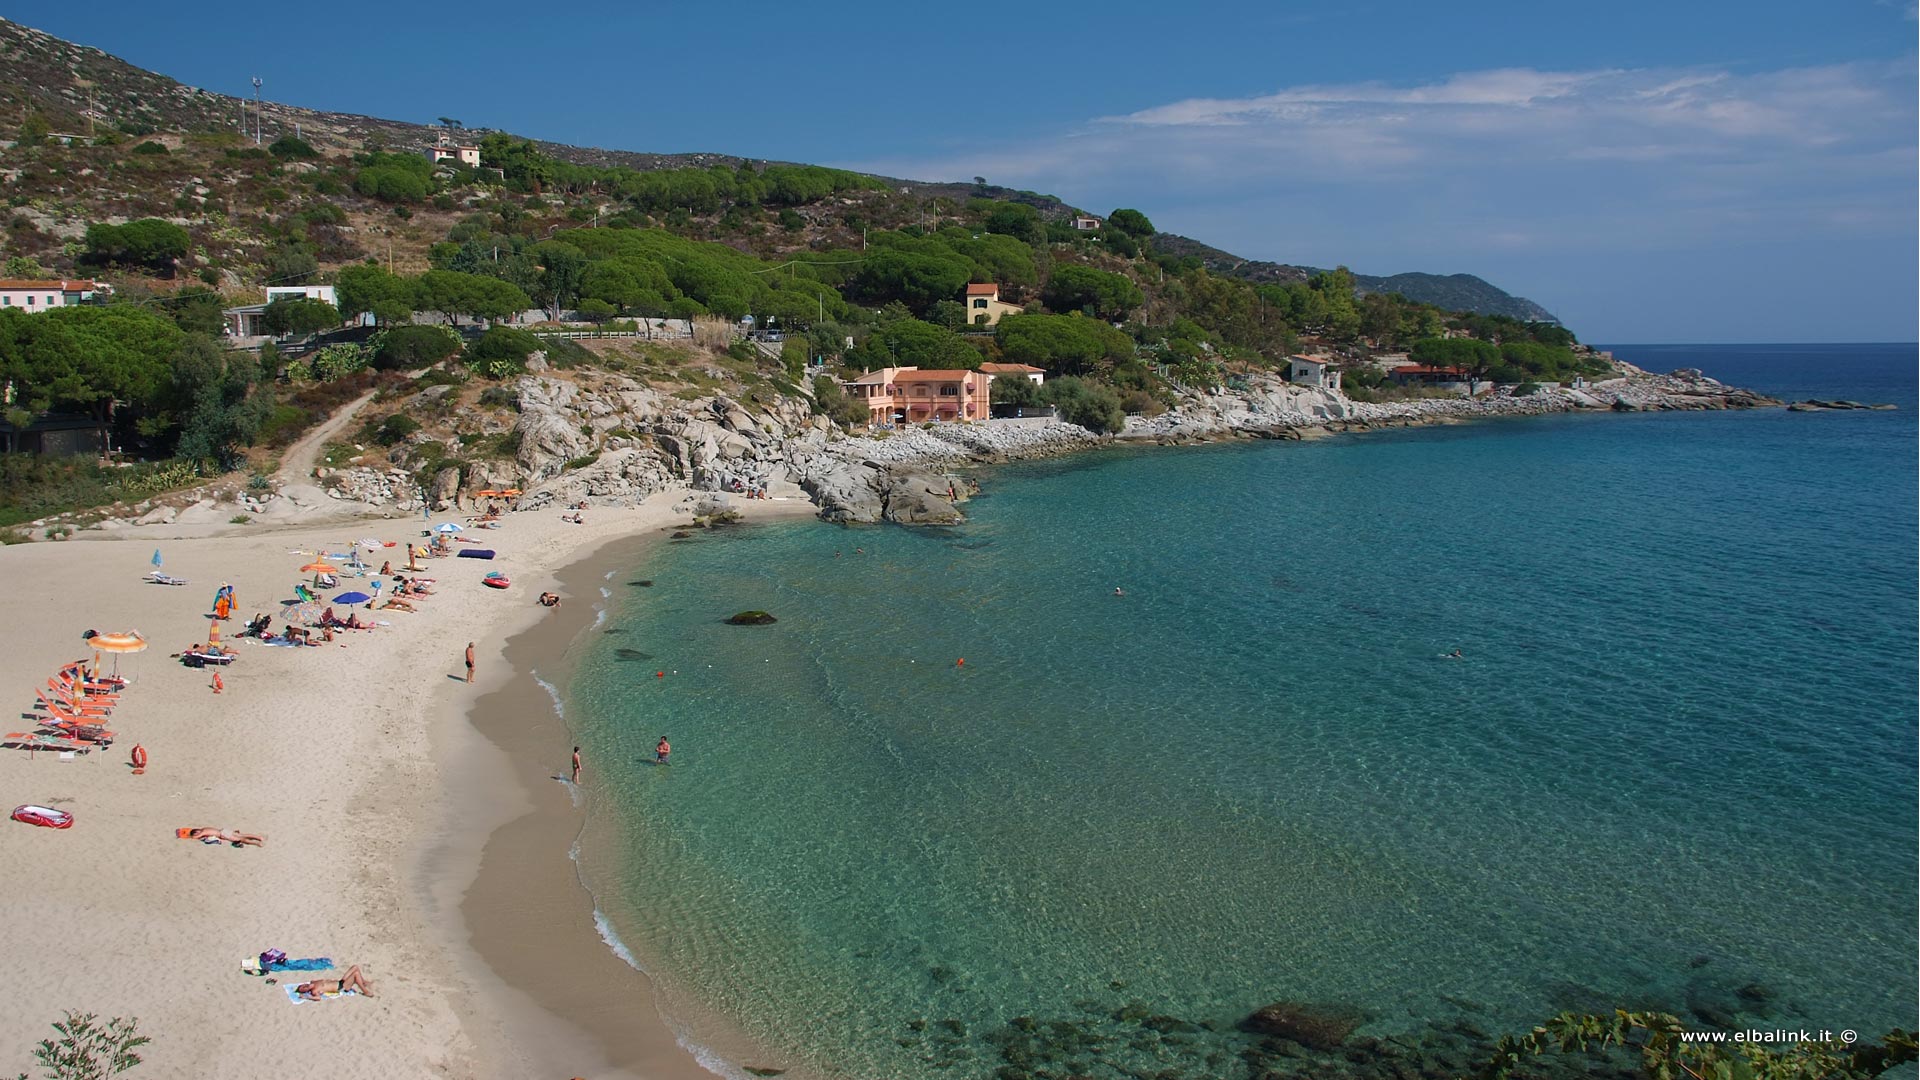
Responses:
[1801,118]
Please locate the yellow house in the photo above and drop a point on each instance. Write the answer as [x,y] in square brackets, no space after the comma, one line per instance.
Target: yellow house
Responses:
[984,306]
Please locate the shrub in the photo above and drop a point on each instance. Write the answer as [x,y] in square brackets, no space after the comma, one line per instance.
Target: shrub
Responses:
[335,361]
[149,147]
[501,352]
[396,429]
[406,348]
[1526,389]
[501,397]
[582,462]
[288,148]
[89,1050]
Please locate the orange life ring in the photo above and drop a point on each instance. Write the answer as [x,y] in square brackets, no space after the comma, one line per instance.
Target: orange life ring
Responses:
[139,759]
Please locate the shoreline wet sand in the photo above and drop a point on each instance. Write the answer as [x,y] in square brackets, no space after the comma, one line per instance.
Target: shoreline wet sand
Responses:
[581,1009]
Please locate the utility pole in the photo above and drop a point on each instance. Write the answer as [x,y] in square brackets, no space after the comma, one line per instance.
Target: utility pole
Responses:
[87,85]
[256,110]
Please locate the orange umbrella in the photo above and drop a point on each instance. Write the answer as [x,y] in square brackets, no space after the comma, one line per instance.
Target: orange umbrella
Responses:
[126,641]
[318,567]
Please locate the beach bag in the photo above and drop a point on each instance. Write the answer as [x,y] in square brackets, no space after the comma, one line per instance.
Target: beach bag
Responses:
[272,957]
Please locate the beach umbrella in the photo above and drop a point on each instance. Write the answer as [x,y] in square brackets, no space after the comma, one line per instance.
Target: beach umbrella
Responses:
[124,641]
[448,527]
[156,556]
[318,567]
[351,598]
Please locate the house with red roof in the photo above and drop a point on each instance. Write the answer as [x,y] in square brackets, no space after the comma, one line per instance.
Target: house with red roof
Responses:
[1034,375]
[911,395]
[1428,375]
[984,306]
[41,295]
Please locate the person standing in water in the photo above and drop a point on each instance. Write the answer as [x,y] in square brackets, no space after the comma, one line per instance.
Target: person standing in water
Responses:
[576,764]
[661,751]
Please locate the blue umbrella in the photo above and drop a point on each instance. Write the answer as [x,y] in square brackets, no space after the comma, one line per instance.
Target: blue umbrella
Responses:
[351,598]
[156,556]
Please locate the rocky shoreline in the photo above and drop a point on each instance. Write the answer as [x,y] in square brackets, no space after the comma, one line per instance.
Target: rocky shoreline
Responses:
[605,439]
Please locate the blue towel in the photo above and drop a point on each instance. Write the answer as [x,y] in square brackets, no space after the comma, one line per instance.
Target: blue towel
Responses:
[319,964]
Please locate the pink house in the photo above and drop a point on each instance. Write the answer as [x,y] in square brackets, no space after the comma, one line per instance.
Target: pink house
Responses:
[909,395]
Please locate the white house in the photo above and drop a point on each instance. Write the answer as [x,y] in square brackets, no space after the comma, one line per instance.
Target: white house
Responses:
[1314,371]
[1086,222]
[41,295]
[322,293]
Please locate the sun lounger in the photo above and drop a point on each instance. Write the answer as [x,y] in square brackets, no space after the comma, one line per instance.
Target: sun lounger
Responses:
[67,692]
[75,728]
[31,742]
[158,578]
[62,705]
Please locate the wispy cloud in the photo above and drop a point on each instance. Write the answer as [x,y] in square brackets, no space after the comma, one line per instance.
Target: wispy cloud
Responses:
[1801,120]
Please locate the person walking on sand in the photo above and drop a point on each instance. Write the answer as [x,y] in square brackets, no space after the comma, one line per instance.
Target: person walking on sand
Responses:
[576,764]
[661,751]
[469,661]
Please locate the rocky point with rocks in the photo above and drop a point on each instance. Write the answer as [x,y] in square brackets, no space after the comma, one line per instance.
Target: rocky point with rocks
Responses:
[601,437]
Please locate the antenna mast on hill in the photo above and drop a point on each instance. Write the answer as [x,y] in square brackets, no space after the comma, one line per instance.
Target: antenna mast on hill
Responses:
[256,110]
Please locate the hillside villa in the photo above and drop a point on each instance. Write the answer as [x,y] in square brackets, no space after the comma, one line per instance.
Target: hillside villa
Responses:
[1428,375]
[1086,222]
[1034,375]
[910,395]
[1314,371]
[41,295]
[984,306]
[247,321]
[445,149]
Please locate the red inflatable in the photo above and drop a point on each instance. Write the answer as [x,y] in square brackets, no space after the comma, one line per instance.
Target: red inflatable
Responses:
[43,816]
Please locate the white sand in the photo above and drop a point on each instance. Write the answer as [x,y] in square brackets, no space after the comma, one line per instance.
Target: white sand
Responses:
[344,756]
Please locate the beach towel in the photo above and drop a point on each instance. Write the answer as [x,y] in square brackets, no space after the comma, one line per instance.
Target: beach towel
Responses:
[293,995]
[312,964]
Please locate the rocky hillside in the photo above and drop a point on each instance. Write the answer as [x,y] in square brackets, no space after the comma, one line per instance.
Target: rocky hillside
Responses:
[1454,292]
[76,89]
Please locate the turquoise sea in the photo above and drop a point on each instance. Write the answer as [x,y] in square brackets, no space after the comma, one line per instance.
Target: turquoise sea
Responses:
[1676,767]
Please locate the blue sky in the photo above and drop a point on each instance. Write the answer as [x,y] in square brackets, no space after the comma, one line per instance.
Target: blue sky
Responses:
[1674,171]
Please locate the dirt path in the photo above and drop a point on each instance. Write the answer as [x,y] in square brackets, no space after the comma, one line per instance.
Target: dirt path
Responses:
[297,464]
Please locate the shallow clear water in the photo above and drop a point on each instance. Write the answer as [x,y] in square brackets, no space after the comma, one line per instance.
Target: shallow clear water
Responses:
[1684,728]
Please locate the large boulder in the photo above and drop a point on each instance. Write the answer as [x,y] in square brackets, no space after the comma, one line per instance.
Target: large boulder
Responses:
[917,498]
[846,492]
[549,428]
[445,490]
[1321,1027]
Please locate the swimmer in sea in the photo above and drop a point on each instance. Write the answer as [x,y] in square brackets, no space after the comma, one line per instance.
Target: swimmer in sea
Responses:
[1455,655]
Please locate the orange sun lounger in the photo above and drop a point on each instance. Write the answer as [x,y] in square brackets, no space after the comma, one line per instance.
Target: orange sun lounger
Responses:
[64,704]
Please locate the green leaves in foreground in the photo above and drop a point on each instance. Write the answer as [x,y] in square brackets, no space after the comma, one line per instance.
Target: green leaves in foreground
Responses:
[88,1049]
[1667,1054]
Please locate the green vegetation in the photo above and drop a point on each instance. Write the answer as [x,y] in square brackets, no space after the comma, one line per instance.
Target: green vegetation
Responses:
[148,243]
[89,1050]
[1666,1056]
[407,348]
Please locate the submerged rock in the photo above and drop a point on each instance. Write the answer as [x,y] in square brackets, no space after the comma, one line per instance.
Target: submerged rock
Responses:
[1321,1027]
[751,618]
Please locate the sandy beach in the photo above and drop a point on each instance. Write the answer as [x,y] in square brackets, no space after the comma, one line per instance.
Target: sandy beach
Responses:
[381,789]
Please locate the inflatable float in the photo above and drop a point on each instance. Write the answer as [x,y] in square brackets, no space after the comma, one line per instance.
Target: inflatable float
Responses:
[496,580]
[475,553]
[43,816]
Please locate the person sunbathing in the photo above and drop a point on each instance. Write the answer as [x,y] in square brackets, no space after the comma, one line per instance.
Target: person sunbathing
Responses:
[396,602]
[228,836]
[353,622]
[352,981]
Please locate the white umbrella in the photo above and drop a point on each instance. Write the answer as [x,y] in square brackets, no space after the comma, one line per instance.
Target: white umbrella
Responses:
[449,527]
